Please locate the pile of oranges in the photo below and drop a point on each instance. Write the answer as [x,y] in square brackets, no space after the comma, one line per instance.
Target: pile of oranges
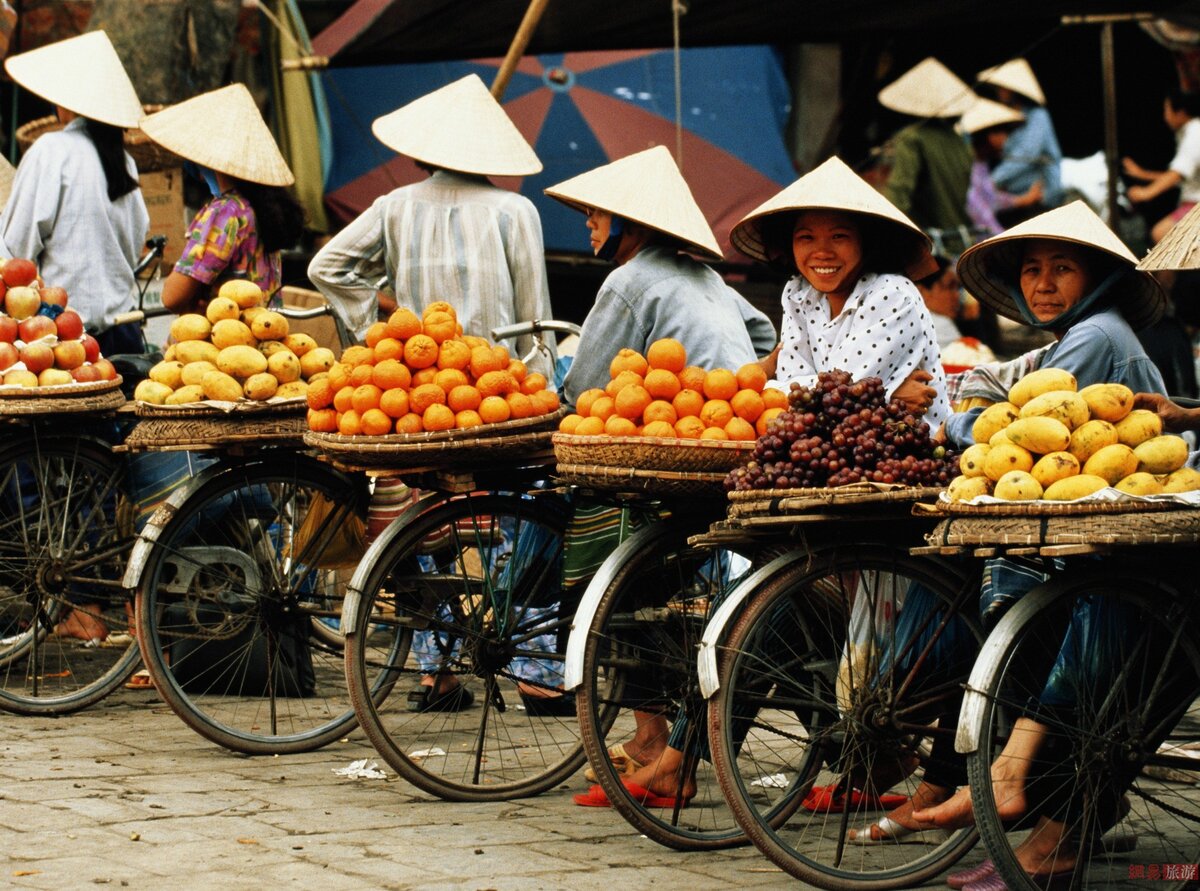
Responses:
[422,374]
[659,394]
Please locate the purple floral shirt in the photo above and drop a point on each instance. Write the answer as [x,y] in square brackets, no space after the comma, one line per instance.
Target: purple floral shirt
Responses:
[222,243]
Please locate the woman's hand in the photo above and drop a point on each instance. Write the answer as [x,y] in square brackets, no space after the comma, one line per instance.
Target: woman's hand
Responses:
[915,393]
[770,363]
[1175,418]
[938,437]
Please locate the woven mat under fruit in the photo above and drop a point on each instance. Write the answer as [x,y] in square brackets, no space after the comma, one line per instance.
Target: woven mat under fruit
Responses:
[780,502]
[691,484]
[215,409]
[651,453]
[1106,528]
[1051,508]
[94,396]
[203,432]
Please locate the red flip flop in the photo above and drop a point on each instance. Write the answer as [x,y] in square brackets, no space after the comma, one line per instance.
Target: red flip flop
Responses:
[821,800]
[596,797]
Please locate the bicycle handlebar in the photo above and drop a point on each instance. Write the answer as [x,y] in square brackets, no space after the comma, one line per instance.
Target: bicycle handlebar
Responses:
[534,327]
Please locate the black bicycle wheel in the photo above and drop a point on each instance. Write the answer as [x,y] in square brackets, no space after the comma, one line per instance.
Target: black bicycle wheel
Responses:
[1101,671]
[640,684]
[840,686]
[469,592]
[231,587]
[65,640]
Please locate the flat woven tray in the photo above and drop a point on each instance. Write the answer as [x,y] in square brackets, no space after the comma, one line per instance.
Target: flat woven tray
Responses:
[245,409]
[1050,508]
[780,502]
[690,484]
[200,433]
[97,396]
[1178,526]
[651,452]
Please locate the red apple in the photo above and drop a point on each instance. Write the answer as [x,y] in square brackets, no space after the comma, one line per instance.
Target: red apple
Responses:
[21,303]
[53,376]
[20,379]
[91,347]
[69,354]
[37,357]
[18,271]
[57,296]
[86,374]
[8,329]
[36,327]
[69,325]
[108,371]
[8,355]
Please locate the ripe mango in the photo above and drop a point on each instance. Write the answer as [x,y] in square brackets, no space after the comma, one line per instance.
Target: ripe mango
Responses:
[231,332]
[196,351]
[971,461]
[244,293]
[221,387]
[1073,487]
[190,326]
[194,372]
[292,390]
[1113,463]
[284,365]
[993,419]
[299,343]
[999,438]
[186,394]
[1091,438]
[241,361]
[1163,454]
[314,361]
[221,308]
[169,373]
[1054,467]
[1062,405]
[249,315]
[1044,380]
[151,391]
[270,347]
[1005,457]
[1137,427]
[1017,485]
[1185,479]
[1040,435]
[169,352]
[1108,402]
[269,325]
[260,387]
[1140,484]
[967,488]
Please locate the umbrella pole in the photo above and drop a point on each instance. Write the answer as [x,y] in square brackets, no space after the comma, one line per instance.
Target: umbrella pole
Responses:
[1108,64]
[524,34]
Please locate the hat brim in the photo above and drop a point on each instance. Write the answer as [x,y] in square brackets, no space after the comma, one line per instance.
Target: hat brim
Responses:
[690,246]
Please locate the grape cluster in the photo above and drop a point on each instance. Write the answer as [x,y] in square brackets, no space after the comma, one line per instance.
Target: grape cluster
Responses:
[842,431]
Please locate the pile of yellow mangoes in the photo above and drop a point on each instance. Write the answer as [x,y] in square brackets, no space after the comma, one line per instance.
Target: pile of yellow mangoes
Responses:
[1053,442]
[237,350]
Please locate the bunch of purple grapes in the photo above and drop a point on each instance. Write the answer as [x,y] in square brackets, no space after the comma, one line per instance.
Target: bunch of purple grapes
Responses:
[842,431]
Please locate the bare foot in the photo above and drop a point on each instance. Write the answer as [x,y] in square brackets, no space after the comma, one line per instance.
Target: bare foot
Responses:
[959,811]
[650,740]
[1043,851]
[924,796]
[662,776]
[83,622]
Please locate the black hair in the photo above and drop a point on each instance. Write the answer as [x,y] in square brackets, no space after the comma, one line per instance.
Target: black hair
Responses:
[1189,103]
[110,146]
[279,215]
[884,248]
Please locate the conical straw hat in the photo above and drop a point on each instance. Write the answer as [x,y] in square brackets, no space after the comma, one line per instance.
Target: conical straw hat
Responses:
[646,188]
[834,186]
[1017,76]
[929,90]
[990,270]
[459,127]
[1180,247]
[83,74]
[7,174]
[224,131]
[985,114]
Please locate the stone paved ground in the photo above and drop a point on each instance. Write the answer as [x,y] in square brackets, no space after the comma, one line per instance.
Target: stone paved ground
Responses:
[124,794]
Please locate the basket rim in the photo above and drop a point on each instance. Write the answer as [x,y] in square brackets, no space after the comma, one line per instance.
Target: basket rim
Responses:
[1057,508]
[862,488]
[469,434]
[296,405]
[575,439]
[60,391]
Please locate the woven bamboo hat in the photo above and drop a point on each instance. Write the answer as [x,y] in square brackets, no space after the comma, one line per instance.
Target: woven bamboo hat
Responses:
[833,186]
[1179,249]
[928,90]
[83,74]
[985,114]
[224,131]
[1015,75]
[646,188]
[459,127]
[990,270]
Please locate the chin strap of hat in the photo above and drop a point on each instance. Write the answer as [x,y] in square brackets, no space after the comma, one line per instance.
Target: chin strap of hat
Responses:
[616,229]
[1085,306]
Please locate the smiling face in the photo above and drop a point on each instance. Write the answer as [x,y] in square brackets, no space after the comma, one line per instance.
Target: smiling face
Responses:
[599,223]
[827,246]
[1054,277]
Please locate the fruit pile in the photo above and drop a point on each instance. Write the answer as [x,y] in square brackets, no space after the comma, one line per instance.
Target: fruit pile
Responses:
[237,350]
[838,432]
[659,394]
[42,342]
[1050,442]
[422,375]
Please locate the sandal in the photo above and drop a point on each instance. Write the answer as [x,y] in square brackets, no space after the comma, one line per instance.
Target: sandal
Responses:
[560,706]
[886,831]
[596,797]
[821,800]
[140,680]
[622,762]
[423,699]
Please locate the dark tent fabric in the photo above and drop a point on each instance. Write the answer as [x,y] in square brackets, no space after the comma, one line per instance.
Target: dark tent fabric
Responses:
[385,32]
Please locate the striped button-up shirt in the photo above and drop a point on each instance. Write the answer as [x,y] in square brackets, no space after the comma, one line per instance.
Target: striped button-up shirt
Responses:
[450,237]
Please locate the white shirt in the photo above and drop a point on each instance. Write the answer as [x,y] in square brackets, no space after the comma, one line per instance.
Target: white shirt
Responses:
[59,216]
[1187,161]
[883,331]
[449,237]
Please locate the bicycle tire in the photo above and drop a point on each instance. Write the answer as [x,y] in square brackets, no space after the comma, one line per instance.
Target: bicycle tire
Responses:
[227,598]
[804,704]
[480,575]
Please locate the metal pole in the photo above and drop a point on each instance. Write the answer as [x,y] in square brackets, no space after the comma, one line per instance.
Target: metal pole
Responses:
[1108,66]
[524,34]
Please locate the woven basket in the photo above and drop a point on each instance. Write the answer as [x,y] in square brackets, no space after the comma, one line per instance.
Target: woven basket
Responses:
[780,502]
[1055,508]
[1109,528]
[245,410]
[147,154]
[651,453]
[202,433]
[96,396]
[690,484]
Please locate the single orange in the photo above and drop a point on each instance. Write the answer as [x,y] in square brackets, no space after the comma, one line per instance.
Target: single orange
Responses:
[760,426]
[391,374]
[716,413]
[689,427]
[667,353]
[714,433]
[773,398]
[425,395]
[319,394]
[376,333]
[467,418]
[464,398]
[473,341]
[440,306]
[362,374]
[720,383]
[590,427]
[566,425]
[740,429]
[502,355]
[424,376]
[583,404]
[619,426]
[546,401]
[410,423]
[604,408]
[497,383]
[394,403]
[752,377]
[621,381]
[441,326]
[389,348]
[747,404]
[631,402]
[533,382]
[688,403]
[339,376]
[662,384]
[494,409]
[484,360]
[322,420]
[517,369]
[454,354]
[420,351]
[692,378]
[365,398]
[357,355]
[437,417]
[628,360]
[660,429]
[403,324]
[520,406]
[660,410]
[375,423]
[341,399]
[349,424]
[449,378]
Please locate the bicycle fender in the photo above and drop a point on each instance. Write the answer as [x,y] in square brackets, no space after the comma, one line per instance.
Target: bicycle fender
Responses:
[585,614]
[367,563]
[714,631]
[990,662]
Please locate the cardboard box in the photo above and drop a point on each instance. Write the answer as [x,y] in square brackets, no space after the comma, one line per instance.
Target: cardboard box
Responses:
[163,193]
[322,329]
